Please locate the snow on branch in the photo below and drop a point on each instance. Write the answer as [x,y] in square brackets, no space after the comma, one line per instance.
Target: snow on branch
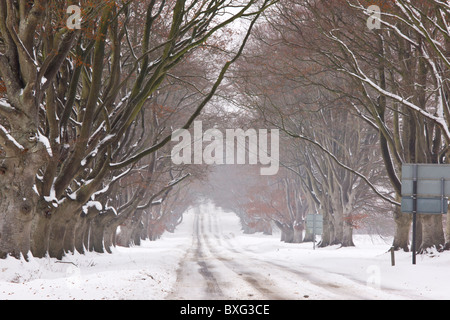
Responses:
[44,140]
[360,75]
[91,204]
[9,138]
[339,163]
[5,106]
[165,191]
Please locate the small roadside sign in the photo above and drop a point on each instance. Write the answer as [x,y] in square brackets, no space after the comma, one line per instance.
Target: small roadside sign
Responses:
[314,224]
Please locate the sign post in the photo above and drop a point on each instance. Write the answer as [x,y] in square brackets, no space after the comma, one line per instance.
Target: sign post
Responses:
[314,232]
[425,190]
[414,213]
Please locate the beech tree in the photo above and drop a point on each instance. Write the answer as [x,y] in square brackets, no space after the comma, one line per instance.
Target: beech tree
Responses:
[394,78]
[71,97]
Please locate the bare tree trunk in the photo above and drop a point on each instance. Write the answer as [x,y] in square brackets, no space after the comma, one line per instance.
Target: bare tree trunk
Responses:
[18,201]
[287,234]
[447,234]
[432,233]
[347,235]
[69,236]
[39,234]
[96,235]
[347,225]
[56,236]
[109,237]
[125,234]
[137,227]
[403,226]
[298,235]
[15,229]
[80,231]
[338,228]
[136,235]
[328,233]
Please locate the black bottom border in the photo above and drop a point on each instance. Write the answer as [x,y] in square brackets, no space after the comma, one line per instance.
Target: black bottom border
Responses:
[212,309]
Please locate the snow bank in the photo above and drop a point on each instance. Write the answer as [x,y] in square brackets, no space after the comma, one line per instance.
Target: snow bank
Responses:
[142,272]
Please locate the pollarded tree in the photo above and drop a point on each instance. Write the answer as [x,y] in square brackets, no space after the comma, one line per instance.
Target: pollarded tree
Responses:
[72,95]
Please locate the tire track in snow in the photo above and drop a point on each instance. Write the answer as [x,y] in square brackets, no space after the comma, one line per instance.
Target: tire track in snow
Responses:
[258,282]
[212,287]
[335,289]
[341,290]
[188,284]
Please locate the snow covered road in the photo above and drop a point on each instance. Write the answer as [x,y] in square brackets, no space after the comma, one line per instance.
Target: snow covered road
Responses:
[209,258]
[219,266]
[213,269]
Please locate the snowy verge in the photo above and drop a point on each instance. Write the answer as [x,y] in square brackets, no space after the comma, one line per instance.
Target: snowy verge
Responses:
[141,272]
[366,266]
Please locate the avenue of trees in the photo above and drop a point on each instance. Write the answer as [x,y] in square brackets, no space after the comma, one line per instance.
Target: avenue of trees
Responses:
[86,116]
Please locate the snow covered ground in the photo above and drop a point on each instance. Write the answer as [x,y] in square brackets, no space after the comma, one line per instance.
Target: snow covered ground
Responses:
[208,257]
[141,272]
